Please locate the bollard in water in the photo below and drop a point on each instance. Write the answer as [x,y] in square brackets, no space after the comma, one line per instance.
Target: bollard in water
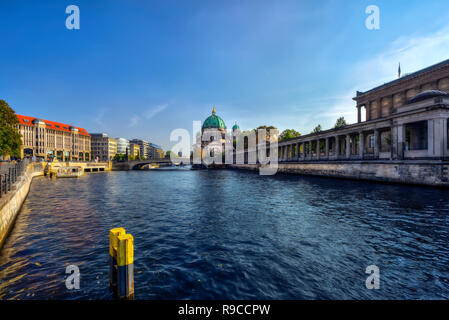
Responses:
[121,263]
[125,262]
[113,248]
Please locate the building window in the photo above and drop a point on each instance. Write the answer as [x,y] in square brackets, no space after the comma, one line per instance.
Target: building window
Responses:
[371,141]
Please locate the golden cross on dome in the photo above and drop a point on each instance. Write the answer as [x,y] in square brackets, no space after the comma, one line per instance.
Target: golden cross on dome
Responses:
[213,110]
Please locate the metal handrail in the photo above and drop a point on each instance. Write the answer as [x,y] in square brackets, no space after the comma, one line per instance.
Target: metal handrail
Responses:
[9,178]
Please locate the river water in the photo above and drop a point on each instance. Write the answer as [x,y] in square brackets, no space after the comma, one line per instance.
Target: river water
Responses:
[230,235]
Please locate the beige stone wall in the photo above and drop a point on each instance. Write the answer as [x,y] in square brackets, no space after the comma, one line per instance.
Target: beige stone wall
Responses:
[431,174]
[443,84]
[387,103]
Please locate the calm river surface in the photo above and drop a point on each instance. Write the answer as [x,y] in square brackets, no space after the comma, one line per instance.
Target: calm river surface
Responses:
[230,235]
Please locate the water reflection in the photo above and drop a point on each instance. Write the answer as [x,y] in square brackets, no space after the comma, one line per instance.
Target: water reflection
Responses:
[230,234]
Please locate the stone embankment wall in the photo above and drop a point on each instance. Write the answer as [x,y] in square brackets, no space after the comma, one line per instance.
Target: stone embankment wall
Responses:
[430,173]
[11,203]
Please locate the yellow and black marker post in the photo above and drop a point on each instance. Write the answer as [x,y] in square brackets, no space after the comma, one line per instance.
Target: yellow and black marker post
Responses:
[121,263]
[125,262]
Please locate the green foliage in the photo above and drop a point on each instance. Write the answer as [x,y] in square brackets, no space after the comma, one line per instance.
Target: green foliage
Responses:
[10,141]
[271,131]
[341,122]
[119,157]
[388,139]
[168,154]
[289,134]
[317,129]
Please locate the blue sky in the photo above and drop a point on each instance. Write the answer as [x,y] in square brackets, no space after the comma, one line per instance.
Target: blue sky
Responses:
[144,68]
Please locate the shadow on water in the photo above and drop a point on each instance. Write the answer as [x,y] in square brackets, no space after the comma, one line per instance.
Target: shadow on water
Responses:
[228,234]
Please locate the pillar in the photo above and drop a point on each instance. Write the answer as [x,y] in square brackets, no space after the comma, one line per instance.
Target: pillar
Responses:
[309,154]
[439,137]
[348,146]
[318,149]
[337,146]
[297,151]
[376,143]
[326,148]
[303,153]
[361,144]
[359,114]
[430,138]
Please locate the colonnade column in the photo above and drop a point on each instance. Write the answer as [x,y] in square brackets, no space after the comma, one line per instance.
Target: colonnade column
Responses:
[359,114]
[318,149]
[326,148]
[348,146]
[337,146]
[309,153]
[376,143]
[361,144]
[297,151]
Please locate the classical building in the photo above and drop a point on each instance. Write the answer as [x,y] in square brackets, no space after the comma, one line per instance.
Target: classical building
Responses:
[134,150]
[103,147]
[156,152]
[213,135]
[405,119]
[122,145]
[144,147]
[214,138]
[48,139]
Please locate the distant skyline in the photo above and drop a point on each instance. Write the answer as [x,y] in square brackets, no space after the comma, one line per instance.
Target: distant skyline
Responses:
[140,69]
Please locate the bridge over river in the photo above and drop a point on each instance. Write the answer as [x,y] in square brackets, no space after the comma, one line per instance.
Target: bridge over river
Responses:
[138,164]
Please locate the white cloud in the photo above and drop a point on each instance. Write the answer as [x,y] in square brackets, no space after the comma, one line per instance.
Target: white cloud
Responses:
[413,52]
[99,117]
[150,113]
[133,120]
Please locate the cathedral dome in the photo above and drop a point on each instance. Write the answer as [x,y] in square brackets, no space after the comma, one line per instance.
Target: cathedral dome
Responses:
[235,127]
[214,122]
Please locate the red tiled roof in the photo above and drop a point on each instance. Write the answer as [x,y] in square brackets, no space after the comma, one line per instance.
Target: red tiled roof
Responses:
[28,121]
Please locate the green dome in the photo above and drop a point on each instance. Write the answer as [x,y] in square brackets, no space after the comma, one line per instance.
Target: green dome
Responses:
[214,122]
[235,127]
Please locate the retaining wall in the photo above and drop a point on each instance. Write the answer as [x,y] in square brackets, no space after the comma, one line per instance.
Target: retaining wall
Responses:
[11,203]
[416,172]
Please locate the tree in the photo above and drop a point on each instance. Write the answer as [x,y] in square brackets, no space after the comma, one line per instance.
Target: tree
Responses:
[317,129]
[270,133]
[289,134]
[10,140]
[119,157]
[341,122]
[168,154]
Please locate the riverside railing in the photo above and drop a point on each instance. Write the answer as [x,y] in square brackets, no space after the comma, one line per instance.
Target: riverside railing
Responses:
[10,173]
